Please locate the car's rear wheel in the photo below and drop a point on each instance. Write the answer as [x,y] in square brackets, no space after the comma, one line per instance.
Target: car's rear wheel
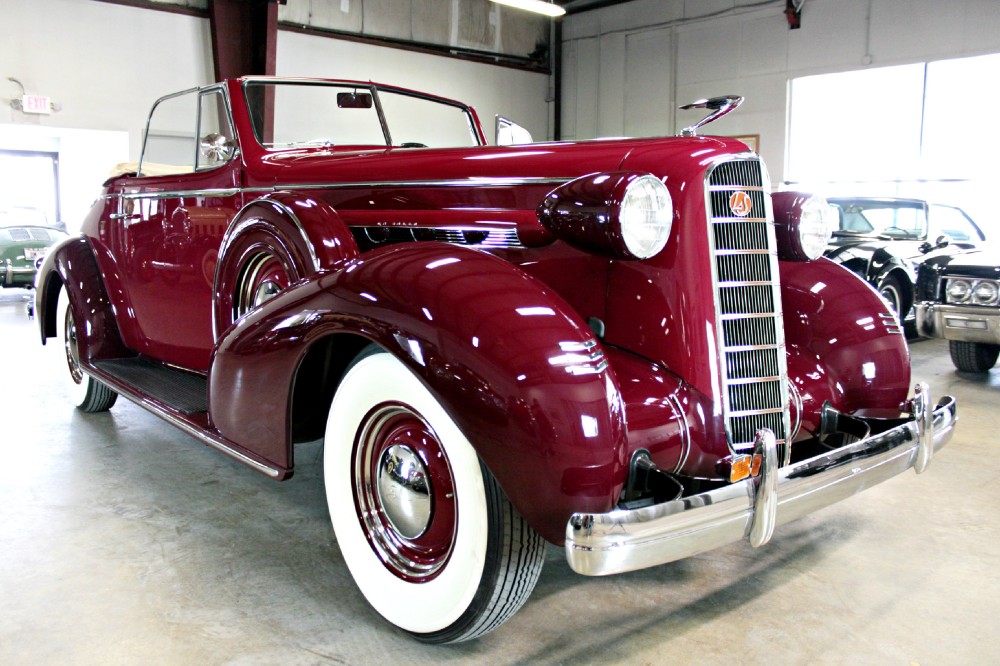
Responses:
[973,356]
[263,275]
[430,538]
[87,393]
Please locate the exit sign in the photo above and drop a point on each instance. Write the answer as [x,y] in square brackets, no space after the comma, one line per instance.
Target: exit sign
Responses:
[36,104]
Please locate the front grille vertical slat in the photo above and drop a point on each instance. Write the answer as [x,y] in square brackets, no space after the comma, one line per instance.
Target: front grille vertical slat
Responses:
[748,300]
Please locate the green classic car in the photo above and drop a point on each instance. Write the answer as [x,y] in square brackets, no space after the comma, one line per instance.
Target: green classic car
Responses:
[25,237]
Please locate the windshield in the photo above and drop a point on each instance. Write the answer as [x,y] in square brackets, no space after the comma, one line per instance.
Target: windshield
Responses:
[321,114]
[895,219]
[953,223]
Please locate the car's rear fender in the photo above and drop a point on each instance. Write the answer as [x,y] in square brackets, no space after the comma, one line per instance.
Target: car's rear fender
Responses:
[516,368]
[71,263]
[304,233]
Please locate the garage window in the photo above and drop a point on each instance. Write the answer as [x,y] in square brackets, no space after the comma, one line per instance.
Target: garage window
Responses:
[919,130]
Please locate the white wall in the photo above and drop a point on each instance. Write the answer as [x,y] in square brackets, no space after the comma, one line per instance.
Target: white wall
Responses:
[105,65]
[627,68]
[492,90]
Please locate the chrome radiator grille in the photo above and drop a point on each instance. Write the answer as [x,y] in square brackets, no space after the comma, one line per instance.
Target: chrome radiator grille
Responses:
[748,304]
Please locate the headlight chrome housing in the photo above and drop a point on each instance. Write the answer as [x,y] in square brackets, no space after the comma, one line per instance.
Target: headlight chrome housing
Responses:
[646,216]
[621,214]
[985,293]
[970,291]
[804,225]
[958,291]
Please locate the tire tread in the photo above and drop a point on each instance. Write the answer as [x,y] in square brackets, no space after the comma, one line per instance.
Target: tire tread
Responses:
[513,566]
[973,356]
[99,397]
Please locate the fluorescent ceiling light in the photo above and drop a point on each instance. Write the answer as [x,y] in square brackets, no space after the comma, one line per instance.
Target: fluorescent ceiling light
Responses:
[536,6]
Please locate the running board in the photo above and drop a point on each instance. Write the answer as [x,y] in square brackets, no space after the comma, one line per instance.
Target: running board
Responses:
[179,398]
[185,392]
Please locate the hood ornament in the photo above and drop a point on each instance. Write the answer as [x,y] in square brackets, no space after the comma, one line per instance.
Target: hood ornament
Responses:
[720,106]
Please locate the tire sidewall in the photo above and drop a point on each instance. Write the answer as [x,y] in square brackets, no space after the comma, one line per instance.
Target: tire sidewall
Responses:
[79,392]
[423,607]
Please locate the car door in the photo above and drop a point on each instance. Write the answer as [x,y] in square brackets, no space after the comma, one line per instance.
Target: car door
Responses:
[172,216]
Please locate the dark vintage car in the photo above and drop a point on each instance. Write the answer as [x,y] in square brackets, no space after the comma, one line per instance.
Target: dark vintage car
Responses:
[627,348]
[25,237]
[884,239]
[960,302]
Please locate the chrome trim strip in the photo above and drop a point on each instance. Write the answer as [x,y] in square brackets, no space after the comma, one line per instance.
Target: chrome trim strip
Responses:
[731,253]
[217,443]
[298,223]
[627,540]
[181,194]
[753,380]
[751,412]
[746,283]
[685,433]
[796,399]
[232,191]
[741,348]
[457,182]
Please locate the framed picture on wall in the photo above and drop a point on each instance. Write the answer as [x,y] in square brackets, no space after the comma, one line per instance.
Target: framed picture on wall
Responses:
[752,141]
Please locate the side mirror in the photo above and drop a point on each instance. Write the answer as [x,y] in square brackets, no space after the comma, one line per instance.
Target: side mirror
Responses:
[216,147]
[942,241]
[509,133]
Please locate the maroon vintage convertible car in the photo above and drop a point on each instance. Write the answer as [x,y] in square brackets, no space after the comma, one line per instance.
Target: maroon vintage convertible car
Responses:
[629,348]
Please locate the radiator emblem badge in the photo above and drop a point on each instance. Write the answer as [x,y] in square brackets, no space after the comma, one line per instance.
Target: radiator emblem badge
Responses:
[740,203]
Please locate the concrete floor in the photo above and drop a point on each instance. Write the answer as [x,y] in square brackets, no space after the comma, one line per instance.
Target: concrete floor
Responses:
[123,541]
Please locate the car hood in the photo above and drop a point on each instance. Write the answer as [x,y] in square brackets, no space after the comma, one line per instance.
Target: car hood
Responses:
[866,246]
[982,263]
[530,161]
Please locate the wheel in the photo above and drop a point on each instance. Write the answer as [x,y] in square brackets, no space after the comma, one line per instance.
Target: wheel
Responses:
[254,268]
[88,394]
[973,356]
[261,278]
[893,291]
[428,535]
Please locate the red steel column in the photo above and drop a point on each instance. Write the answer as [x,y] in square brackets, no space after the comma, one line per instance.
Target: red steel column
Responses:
[244,36]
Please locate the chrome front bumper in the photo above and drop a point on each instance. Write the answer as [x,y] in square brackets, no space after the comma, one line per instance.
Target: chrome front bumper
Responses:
[958,322]
[10,271]
[626,540]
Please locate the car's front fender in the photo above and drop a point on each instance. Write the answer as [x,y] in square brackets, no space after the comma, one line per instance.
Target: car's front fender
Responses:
[72,263]
[516,368]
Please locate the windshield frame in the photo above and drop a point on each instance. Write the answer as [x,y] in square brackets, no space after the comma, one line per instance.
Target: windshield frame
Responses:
[475,130]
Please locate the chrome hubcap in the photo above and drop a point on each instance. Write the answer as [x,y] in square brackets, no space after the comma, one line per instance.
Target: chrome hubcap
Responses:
[404,491]
[261,279]
[72,351]
[265,292]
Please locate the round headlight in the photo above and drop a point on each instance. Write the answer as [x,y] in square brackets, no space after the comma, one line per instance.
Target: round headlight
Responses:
[958,291]
[646,214]
[985,293]
[816,226]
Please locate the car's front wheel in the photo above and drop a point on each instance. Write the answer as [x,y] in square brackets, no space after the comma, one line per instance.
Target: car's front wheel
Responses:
[973,356]
[892,290]
[88,394]
[431,540]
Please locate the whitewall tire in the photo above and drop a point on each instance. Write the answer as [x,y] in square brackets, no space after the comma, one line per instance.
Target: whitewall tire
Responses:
[429,537]
[86,393]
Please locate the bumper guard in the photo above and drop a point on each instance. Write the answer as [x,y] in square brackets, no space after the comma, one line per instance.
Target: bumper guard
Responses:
[625,540]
